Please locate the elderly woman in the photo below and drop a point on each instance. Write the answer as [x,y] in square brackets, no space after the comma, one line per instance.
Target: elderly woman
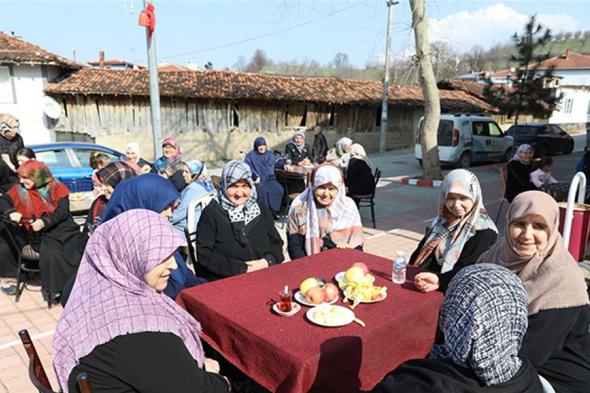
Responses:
[41,203]
[297,150]
[10,140]
[119,328]
[558,338]
[236,234]
[343,146]
[196,188]
[518,172]
[135,160]
[483,320]
[359,178]
[170,161]
[462,231]
[323,217]
[262,162]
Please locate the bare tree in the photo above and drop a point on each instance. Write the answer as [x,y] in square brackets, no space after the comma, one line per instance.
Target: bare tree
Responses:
[258,61]
[240,64]
[340,60]
[429,127]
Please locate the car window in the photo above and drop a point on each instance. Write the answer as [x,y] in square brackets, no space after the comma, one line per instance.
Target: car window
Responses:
[556,130]
[523,131]
[84,156]
[480,128]
[54,158]
[445,133]
[543,130]
[495,130]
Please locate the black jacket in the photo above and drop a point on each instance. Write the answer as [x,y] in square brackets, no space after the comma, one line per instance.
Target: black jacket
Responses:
[359,178]
[558,343]
[295,155]
[148,362]
[517,180]
[436,376]
[472,250]
[319,149]
[223,251]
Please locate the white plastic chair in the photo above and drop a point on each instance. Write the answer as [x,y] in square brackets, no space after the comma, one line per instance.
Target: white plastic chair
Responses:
[191,225]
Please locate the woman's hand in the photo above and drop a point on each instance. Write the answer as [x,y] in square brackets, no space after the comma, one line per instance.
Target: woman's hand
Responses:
[15,216]
[211,366]
[256,264]
[426,282]
[343,245]
[146,169]
[37,225]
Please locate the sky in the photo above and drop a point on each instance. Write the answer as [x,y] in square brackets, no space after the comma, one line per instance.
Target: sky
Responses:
[220,31]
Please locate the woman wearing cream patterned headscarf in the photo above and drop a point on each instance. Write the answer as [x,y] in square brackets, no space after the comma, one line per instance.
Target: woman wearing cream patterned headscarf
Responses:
[10,140]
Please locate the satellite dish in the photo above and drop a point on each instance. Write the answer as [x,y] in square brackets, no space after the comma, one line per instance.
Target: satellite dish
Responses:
[51,108]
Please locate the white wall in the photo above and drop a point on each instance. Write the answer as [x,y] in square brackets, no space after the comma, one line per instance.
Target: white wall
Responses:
[29,82]
[580,97]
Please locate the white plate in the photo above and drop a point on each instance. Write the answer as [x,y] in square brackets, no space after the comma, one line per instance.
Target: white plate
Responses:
[301,299]
[342,282]
[294,309]
[345,315]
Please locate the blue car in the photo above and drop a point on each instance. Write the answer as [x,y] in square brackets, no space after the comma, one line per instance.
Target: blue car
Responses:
[69,162]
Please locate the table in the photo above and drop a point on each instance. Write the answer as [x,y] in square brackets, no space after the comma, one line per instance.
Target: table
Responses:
[294,355]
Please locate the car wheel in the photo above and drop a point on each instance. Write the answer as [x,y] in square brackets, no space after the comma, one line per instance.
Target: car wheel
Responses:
[464,160]
[507,155]
[420,162]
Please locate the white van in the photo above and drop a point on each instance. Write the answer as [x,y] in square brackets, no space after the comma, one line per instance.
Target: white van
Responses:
[467,138]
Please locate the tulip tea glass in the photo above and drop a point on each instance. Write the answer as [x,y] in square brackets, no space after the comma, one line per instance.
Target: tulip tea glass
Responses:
[285,302]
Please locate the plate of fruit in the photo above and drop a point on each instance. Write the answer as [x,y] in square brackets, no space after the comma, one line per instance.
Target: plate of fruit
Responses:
[357,285]
[314,291]
[330,316]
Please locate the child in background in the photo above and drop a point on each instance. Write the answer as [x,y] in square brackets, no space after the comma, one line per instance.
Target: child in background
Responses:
[542,176]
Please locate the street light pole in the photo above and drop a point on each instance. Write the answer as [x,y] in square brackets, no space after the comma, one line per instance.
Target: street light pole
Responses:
[383,133]
[154,89]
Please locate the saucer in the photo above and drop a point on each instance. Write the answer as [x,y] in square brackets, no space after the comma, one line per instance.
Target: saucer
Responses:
[294,309]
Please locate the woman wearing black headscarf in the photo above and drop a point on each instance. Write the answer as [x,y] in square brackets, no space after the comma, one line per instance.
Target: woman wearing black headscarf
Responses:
[262,162]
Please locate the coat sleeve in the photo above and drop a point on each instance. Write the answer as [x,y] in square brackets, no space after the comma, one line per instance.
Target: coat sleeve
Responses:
[59,215]
[296,246]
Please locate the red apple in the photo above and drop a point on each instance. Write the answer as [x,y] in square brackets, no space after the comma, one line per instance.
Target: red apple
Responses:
[331,292]
[362,266]
[315,295]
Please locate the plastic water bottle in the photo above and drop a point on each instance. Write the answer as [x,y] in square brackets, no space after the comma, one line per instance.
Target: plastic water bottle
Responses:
[398,271]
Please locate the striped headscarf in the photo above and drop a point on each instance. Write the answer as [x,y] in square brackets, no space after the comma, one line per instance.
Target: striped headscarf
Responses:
[110,297]
[114,173]
[233,172]
[448,234]
[483,320]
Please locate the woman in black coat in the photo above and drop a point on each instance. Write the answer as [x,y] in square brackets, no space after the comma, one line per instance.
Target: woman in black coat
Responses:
[518,172]
[462,231]
[236,234]
[359,179]
[297,150]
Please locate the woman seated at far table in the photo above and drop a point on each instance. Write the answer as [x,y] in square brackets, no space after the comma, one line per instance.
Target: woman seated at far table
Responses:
[262,163]
[483,320]
[359,178]
[462,231]
[236,234]
[297,150]
[118,326]
[323,217]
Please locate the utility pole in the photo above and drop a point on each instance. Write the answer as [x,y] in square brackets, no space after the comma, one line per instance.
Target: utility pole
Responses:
[383,133]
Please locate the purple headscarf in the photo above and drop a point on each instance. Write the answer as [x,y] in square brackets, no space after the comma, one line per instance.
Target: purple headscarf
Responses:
[110,297]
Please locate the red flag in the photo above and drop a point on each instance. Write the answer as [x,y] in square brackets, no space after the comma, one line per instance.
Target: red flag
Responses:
[147,18]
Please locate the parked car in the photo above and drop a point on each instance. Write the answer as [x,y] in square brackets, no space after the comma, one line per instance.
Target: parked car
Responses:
[70,162]
[547,139]
[466,138]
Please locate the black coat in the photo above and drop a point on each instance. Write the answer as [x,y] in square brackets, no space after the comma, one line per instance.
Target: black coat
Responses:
[147,362]
[558,343]
[472,250]
[517,180]
[359,178]
[437,376]
[295,155]
[11,147]
[223,251]
[319,149]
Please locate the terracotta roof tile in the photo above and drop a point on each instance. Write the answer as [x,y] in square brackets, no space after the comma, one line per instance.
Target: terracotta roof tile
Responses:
[15,50]
[253,86]
[566,61]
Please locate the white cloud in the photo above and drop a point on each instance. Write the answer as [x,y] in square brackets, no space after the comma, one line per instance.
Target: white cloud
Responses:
[491,25]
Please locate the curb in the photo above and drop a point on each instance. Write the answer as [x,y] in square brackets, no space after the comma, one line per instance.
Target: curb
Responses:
[420,182]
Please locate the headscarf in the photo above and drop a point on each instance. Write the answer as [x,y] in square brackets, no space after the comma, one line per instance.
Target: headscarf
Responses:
[178,181]
[519,155]
[344,222]
[358,151]
[110,297]
[551,276]
[45,195]
[198,169]
[114,173]
[195,167]
[233,172]
[8,123]
[448,233]
[341,145]
[483,320]
[302,144]
[263,165]
[163,163]
[134,147]
[149,191]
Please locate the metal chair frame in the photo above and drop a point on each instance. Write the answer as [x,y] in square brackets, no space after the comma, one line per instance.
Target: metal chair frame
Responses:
[368,200]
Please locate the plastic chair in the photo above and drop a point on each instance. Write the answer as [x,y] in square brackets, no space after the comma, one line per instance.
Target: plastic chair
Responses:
[190,232]
[504,178]
[368,200]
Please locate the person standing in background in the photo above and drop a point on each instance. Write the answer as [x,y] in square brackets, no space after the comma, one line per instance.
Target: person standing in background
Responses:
[10,140]
[320,146]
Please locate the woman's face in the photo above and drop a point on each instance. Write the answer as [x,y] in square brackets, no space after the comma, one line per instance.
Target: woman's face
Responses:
[22,159]
[299,139]
[107,191]
[168,151]
[459,205]
[157,278]
[131,155]
[27,183]
[239,192]
[186,174]
[529,234]
[167,212]
[527,155]
[326,194]
[261,149]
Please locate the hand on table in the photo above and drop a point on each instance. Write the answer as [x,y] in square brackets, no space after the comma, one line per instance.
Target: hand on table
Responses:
[256,264]
[343,245]
[211,366]
[426,282]
[37,225]
[304,162]
[15,216]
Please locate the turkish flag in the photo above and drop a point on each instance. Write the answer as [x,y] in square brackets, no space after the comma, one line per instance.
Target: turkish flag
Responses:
[147,18]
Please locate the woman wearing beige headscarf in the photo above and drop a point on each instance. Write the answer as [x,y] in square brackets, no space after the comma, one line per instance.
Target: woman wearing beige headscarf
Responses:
[558,337]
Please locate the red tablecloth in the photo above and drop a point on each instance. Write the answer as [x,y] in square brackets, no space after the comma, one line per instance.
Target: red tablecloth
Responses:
[295,355]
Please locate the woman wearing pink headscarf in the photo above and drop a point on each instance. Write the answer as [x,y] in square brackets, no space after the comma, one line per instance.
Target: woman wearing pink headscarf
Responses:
[170,162]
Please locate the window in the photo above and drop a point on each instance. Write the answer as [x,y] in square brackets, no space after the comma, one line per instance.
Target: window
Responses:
[588,109]
[567,107]
[6,88]
[495,131]
[83,156]
[444,133]
[54,158]
[480,128]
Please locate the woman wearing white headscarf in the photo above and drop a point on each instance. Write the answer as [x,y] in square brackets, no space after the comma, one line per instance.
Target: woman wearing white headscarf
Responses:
[297,150]
[343,146]
[134,159]
[462,231]
[558,337]
[323,217]
[235,234]
[483,320]
[518,172]
[359,178]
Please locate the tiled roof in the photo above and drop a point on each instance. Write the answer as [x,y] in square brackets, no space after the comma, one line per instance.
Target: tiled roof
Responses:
[470,87]
[15,50]
[567,61]
[114,62]
[253,86]
[171,68]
